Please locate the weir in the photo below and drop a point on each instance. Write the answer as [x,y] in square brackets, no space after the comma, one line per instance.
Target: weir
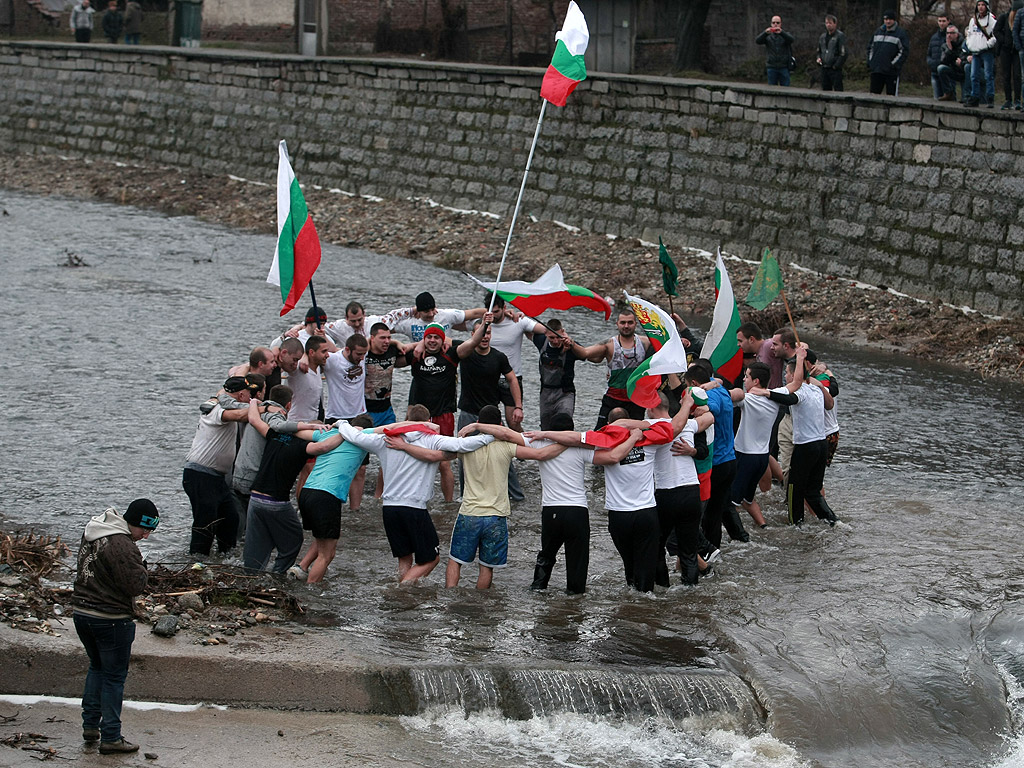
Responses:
[626,694]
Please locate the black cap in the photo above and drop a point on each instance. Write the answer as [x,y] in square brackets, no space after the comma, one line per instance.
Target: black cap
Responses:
[889,15]
[425,302]
[142,513]
[316,313]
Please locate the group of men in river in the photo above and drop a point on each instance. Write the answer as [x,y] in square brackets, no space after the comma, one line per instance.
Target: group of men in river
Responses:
[675,473]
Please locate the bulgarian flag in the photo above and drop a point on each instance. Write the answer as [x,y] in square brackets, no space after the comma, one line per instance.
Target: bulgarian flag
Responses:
[720,345]
[567,69]
[550,291]
[298,247]
[667,352]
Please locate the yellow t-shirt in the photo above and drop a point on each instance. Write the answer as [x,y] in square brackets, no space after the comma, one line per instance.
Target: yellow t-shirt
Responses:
[486,473]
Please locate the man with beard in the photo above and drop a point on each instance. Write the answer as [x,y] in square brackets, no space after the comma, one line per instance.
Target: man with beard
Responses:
[434,377]
[623,352]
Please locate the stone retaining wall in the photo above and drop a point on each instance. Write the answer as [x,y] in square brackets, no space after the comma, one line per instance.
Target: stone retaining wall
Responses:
[919,196]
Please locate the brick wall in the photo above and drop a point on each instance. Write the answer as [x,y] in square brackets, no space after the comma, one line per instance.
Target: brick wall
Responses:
[917,195]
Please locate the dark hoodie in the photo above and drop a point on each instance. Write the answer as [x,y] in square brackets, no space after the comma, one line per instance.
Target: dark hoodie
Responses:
[110,569]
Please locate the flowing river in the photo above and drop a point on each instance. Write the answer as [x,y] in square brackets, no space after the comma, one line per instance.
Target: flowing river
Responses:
[894,639]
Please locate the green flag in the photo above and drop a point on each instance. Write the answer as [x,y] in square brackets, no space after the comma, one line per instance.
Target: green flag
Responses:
[767,282]
[669,273]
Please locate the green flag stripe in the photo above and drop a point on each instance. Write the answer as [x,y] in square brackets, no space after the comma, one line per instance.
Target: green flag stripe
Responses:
[297,215]
[569,66]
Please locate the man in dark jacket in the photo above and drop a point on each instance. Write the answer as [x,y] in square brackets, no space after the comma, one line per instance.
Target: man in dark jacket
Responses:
[113,22]
[951,65]
[779,46]
[110,574]
[831,55]
[938,39]
[888,49]
[1009,62]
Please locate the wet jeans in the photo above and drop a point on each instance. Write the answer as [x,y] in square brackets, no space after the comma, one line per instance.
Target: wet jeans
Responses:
[108,643]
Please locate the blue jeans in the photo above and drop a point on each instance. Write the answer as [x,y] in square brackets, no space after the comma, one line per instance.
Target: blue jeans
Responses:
[131,39]
[937,89]
[108,643]
[778,75]
[984,65]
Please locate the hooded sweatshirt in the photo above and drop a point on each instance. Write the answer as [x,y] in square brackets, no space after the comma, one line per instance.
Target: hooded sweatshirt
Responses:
[409,482]
[981,34]
[110,569]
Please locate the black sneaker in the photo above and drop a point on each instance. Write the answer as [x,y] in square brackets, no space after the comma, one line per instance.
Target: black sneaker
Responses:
[990,105]
[971,103]
[712,557]
[1007,105]
[90,734]
[121,746]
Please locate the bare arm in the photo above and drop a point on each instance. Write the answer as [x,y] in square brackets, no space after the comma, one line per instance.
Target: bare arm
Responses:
[324,446]
[619,452]
[429,455]
[596,353]
[466,348]
[252,413]
[569,439]
[517,397]
[539,454]
[499,431]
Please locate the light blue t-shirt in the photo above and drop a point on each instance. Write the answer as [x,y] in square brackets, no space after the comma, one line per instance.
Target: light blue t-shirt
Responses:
[334,470]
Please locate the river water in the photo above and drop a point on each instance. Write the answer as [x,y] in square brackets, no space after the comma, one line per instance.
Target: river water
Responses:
[894,639]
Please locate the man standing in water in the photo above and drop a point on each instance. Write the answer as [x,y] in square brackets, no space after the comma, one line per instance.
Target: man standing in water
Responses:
[623,352]
[111,573]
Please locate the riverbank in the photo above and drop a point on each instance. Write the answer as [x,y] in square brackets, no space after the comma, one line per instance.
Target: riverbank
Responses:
[423,230]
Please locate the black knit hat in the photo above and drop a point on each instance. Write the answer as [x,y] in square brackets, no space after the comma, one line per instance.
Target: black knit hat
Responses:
[142,513]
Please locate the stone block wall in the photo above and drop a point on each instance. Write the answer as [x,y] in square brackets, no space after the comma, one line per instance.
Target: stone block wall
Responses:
[919,196]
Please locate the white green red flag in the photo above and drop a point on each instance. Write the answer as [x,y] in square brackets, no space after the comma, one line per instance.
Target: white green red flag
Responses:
[567,69]
[667,352]
[721,346]
[298,247]
[550,291]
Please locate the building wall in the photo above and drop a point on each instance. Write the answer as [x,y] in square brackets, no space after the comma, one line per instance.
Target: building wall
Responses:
[918,196]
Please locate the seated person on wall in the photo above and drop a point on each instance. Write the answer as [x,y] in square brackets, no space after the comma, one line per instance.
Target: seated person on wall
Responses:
[951,65]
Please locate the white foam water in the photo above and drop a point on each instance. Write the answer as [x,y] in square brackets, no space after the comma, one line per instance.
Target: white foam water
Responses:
[577,741]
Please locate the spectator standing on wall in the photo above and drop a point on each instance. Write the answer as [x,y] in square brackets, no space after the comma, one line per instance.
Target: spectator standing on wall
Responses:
[113,22]
[888,49]
[831,55]
[981,43]
[935,45]
[81,21]
[132,23]
[1009,62]
[951,65]
[779,47]
[1017,27]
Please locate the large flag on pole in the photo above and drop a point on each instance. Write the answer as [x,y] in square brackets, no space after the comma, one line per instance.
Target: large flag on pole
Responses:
[549,291]
[298,247]
[668,354]
[767,283]
[567,69]
[721,346]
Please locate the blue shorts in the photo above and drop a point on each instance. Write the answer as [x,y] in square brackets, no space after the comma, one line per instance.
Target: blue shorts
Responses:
[382,418]
[750,468]
[489,533]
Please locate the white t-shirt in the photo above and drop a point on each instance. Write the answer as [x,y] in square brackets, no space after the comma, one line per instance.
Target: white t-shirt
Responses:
[345,387]
[413,327]
[808,415]
[671,471]
[562,478]
[507,337]
[307,390]
[339,330]
[831,419]
[629,485]
[755,432]
[213,445]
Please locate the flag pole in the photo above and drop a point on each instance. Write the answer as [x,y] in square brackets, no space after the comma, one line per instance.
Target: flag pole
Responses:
[519,202]
[313,297]
[790,315]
